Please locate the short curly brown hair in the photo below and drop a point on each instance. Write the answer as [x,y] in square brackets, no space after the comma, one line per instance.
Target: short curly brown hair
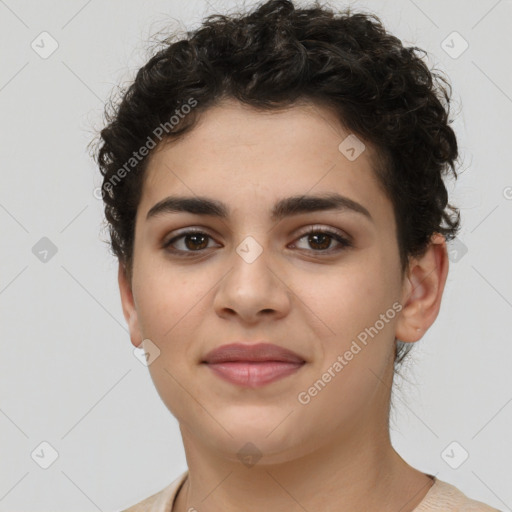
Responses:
[277,56]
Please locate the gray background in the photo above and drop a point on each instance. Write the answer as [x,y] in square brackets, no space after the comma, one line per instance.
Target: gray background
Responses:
[68,373]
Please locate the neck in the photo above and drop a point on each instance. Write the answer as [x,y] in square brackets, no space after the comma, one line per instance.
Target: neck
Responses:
[353,472]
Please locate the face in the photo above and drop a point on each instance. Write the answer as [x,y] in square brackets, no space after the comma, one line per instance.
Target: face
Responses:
[322,280]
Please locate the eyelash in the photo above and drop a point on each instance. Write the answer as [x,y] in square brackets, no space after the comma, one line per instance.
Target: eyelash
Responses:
[344,242]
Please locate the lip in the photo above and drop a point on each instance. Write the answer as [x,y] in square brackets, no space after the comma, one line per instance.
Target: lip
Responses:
[253,365]
[255,352]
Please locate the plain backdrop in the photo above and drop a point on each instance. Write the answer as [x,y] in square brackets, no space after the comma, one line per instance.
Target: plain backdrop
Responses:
[68,376]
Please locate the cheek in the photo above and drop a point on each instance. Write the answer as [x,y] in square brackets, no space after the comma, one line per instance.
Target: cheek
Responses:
[171,308]
[359,305]
[168,297]
[348,297]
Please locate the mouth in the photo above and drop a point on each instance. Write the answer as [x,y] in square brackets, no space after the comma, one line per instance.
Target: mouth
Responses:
[253,365]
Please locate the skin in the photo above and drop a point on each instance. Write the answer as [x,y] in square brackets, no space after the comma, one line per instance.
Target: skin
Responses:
[334,453]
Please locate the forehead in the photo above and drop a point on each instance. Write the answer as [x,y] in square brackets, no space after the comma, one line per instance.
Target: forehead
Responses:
[236,151]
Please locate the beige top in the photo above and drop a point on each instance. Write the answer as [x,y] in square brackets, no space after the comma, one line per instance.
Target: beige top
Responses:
[441,497]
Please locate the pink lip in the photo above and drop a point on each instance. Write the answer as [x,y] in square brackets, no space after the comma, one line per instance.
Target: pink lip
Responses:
[253,365]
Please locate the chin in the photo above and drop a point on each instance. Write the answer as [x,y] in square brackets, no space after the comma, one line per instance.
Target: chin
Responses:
[264,438]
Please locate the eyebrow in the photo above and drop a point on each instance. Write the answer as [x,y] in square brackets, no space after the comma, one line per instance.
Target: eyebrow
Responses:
[283,208]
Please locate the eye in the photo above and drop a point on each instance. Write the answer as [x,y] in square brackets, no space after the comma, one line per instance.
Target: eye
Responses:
[188,242]
[196,241]
[320,239]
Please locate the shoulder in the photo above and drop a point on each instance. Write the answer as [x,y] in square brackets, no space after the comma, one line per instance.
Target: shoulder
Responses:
[444,497]
[161,501]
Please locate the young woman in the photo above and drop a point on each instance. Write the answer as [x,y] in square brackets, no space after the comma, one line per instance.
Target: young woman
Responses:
[273,185]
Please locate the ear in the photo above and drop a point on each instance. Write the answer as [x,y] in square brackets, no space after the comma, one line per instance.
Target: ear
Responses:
[128,303]
[422,291]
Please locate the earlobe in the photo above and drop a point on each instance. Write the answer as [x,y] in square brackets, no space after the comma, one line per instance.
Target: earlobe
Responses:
[423,290]
[128,305]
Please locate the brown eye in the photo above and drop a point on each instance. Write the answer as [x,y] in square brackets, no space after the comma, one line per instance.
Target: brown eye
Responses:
[196,241]
[188,242]
[321,240]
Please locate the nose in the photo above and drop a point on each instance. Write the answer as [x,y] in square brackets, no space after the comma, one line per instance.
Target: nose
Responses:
[253,290]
